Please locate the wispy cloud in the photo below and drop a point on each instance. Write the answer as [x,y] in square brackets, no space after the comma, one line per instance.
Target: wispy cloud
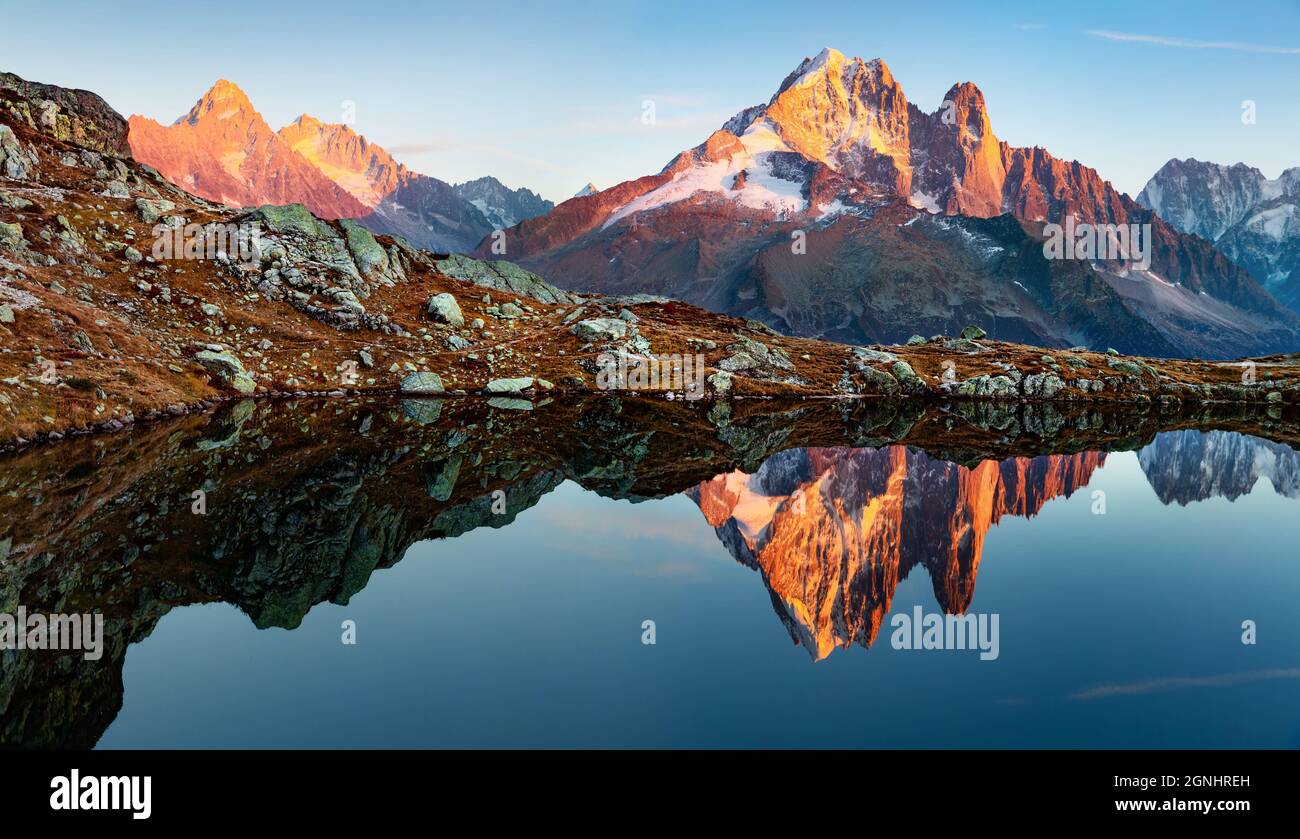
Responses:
[1184,43]
[1180,682]
[1028,26]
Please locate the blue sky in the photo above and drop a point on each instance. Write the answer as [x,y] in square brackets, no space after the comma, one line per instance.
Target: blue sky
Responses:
[549,95]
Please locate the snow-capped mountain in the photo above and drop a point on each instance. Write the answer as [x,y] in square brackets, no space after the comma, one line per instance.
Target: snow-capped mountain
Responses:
[1187,466]
[224,150]
[589,189]
[841,161]
[1254,220]
[502,206]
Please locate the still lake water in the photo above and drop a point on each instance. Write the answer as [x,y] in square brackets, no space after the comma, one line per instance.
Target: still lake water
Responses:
[1122,629]
[771,571]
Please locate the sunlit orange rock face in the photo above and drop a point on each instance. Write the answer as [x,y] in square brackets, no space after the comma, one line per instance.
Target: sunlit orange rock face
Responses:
[833,531]
[224,151]
[365,170]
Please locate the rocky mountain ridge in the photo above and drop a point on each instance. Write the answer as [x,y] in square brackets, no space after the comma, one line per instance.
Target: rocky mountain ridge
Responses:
[837,145]
[223,150]
[1255,221]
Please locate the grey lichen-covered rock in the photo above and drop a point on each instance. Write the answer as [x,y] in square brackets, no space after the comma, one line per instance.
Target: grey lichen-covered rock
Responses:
[345,298]
[228,369]
[755,358]
[73,116]
[721,383]
[11,236]
[917,340]
[1043,385]
[444,309]
[989,387]
[964,345]
[1075,361]
[423,382]
[503,276]
[600,329]
[15,161]
[973,333]
[907,378]
[1131,368]
[873,356]
[515,385]
[372,260]
[152,210]
[291,218]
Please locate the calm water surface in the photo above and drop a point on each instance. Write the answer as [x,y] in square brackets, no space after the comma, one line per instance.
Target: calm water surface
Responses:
[1120,581]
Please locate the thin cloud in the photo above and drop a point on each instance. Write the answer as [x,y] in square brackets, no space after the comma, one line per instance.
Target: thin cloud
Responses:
[1028,26]
[1180,682]
[1184,43]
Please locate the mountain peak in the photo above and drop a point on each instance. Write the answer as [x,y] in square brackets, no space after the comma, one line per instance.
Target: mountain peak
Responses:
[589,189]
[832,64]
[225,99]
[308,121]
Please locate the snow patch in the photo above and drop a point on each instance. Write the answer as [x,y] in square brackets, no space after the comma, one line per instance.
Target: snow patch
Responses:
[762,189]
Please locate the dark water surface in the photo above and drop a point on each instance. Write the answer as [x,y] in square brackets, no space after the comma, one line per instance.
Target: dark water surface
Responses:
[500,566]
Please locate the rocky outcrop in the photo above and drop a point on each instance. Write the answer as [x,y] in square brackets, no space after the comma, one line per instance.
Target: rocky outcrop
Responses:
[73,116]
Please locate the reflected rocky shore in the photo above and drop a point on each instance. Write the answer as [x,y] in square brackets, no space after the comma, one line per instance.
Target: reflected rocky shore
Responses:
[302,501]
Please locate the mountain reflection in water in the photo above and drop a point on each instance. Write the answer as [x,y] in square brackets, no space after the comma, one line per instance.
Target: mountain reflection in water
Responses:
[832,503]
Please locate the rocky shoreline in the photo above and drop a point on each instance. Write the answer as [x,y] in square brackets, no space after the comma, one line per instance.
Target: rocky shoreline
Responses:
[101,328]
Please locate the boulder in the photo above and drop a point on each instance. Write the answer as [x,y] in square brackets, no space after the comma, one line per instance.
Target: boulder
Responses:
[152,210]
[444,309]
[423,382]
[600,329]
[228,369]
[503,276]
[372,260]
[515,385]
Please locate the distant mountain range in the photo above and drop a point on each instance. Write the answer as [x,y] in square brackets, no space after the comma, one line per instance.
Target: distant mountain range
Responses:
[223,150]
[836,210]
[909,222]
[1253,220]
